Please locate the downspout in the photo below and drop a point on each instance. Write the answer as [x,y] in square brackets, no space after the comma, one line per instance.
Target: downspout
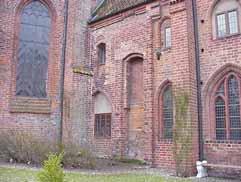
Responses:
[63,60]
[198,76]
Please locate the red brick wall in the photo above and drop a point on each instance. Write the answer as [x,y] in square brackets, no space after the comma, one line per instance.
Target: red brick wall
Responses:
[45,125]
[138,31]
[77,85]
[218,57]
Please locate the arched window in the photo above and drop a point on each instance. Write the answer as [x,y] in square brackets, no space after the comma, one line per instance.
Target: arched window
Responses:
[33,51]
[101,53]
[167,112]
[227,109]
[102,116]
[225,18]
[166,34]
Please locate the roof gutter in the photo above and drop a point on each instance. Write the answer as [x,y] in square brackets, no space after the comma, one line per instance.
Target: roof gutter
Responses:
[117,12]
[198,77]
[63,60]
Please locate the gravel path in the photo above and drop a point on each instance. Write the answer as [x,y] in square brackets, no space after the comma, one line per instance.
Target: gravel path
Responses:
[128,169]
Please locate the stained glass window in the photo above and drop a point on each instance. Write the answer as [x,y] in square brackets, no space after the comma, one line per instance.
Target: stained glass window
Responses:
[33,51]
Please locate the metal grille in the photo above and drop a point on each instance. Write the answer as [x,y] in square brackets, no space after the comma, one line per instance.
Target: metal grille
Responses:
[168,113]
[103,125]
[33,51]
[220,119]
[234,108]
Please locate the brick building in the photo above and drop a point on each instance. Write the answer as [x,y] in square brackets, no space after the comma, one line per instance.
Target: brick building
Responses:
[108,73]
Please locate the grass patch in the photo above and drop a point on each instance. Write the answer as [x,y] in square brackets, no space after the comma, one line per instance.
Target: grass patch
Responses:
[23,175]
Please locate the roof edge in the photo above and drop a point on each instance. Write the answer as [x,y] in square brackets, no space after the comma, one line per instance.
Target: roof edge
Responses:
[115,13]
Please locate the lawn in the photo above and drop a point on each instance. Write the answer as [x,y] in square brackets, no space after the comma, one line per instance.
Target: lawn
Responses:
[23,175]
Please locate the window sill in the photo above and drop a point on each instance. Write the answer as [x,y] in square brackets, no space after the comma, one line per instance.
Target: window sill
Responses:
[30,105]
[102,138]
[166,49]
[223,142]
[164,140]
[227,37]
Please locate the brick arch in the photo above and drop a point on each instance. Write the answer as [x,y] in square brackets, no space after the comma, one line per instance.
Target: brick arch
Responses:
[210,14]
[213,5]
[157,104]
[165,18]
[47,3]
[133,55]
[106,94]
[213,82]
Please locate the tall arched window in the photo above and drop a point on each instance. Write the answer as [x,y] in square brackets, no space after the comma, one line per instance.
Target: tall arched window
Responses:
[102,116]
[167,112]
[33,51]
[166,34]
[227,109]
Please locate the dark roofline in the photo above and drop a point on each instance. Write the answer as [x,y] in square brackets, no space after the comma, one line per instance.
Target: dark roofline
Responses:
[117,12]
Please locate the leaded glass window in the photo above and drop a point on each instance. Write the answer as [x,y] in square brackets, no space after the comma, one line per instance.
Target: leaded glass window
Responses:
[167,113]
[227,109]
[33,51]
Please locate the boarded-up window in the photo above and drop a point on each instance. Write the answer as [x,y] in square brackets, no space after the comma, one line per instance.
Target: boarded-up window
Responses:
[33,51]
[135,81]
[102,116]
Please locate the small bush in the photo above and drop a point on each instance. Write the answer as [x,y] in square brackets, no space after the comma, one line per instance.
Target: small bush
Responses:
[52,169]
[130,161]
[78,156]
[23,147]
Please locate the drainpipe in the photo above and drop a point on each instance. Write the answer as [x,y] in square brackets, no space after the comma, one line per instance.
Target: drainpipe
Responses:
[198,76]
[63,60]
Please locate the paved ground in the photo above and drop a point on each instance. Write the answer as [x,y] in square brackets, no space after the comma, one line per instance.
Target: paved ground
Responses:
[127,169]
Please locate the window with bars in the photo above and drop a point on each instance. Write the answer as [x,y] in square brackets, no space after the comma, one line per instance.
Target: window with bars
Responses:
[33,51]
[227,109]
[167,113]
[101,53]
[103,113]
[103,125]
[227,23]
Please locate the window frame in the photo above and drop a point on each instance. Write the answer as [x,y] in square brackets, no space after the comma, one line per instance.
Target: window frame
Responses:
[52,16]
[101,47]
[164,24]
[161,113]
[99,134]
[165,37]
[227,25]
[225,98]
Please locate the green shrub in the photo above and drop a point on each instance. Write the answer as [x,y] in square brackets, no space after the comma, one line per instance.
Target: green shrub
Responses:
[52,169]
